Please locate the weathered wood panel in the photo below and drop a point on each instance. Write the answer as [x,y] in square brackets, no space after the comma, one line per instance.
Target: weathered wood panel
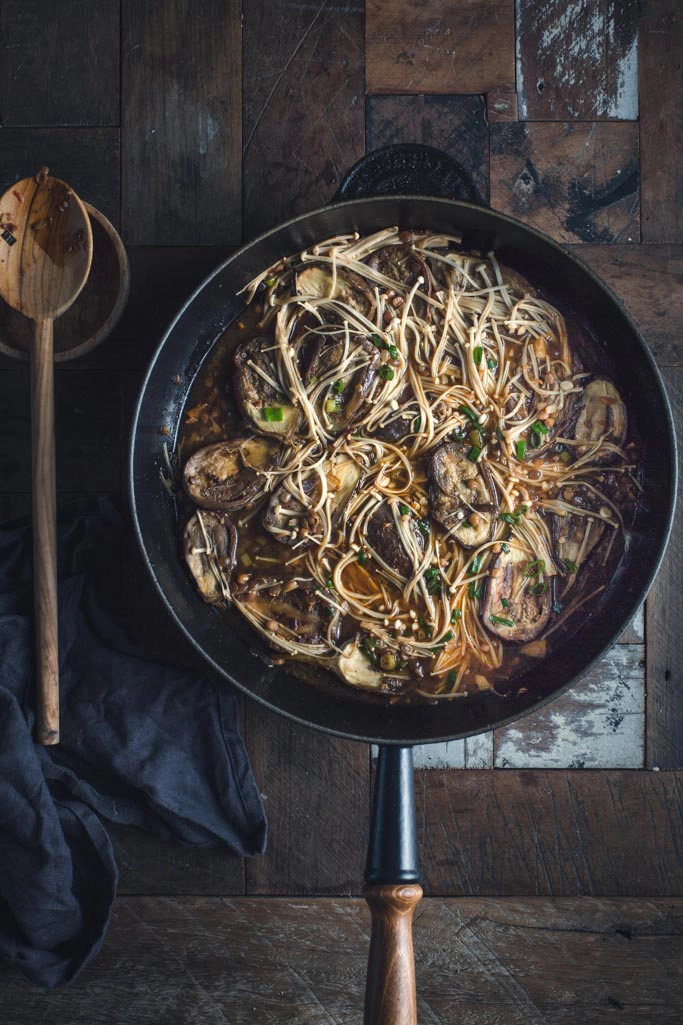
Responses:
[501,106]
[550,833]
[648,280]
[577,60]
[181,121]
[661,120]
[88,431]
[59,62]
[598,724]
[433,47]
[576,182]
[86,158]
[494,962]
[303,105]
[665,647]
[455,124]
[316,792]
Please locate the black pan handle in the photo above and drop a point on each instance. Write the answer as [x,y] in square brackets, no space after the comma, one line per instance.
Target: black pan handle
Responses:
[392,890]
[409,169]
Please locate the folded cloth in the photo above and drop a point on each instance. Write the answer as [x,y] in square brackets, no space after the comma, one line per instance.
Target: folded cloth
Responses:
[141,744]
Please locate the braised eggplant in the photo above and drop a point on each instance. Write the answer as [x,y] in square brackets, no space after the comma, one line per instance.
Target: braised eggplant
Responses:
[210,546]
[319,282]
[399,547]
[230,475]
[288,612]
[341,378]
[263,402]
[462,495]
[600,414]
[518,602]
[355,667]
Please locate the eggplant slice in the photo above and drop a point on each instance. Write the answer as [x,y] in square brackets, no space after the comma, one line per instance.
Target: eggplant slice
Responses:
[529,613]
[462,495]
[355,668]
[401,263]
[290,611]
[286,514]
[230,475]
[600,413]
[210,547]
[349,383]
[318,282]
[384,539]
[263,404]
[576,536]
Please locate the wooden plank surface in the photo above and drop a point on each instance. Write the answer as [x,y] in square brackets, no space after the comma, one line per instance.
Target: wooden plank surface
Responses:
[577,60]
[647,280]
[87,158]
[59,62]
[661,120]
[316,792]
[576,182]
[303,105]
[455,124]
[271,962]
[665,646]
[431,47]
[551,833]
[147,866]
[181,122]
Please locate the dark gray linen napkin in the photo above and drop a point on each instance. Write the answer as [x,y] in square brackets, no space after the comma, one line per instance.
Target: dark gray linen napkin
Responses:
[142,744]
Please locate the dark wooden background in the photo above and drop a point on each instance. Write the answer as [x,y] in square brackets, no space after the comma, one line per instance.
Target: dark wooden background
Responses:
[554,869]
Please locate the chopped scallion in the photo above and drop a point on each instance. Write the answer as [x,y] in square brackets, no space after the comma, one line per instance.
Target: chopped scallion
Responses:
[455,616]
[499,621]
[403,509]
[362,557]
[469,413]
[476,564]
[571,566]
[535,568]
[273,414]
[474,453]
[521,448]
[540,587]
[376,341]
[477,355]
[338,386]
[423,527]
[386,372]
[451,677]
[491,363]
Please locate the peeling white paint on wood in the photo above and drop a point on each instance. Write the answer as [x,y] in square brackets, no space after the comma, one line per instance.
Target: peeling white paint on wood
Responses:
[598,724]
[473,753]
[585,54]
[636,628]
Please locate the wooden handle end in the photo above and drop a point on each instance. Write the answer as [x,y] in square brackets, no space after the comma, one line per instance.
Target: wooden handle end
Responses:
[390,995]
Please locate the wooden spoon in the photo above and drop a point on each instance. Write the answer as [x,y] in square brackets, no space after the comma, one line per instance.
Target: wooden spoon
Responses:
[45,256]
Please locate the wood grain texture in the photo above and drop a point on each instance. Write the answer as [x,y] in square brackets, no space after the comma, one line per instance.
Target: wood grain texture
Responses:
[598,724]
[148,866]
[454,124]
[646,279]
[87,158]
[303,105]
[665,648]
[433,47]
[197,961]
[661,120]
[501,106]
[89,440]
[316,792]
[577,60]
[576,182]
[59,62]
[556,833]
[181,121]
[390,995]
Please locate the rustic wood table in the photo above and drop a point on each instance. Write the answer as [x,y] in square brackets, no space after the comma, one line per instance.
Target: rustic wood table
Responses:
[551,848]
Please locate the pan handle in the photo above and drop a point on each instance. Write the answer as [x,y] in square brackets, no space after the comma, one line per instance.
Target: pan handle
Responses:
[392,877]
[409,169]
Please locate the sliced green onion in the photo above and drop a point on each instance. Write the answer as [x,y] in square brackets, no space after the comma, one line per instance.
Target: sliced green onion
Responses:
[539,427]
[451,678]
[455,616]
[491,363]
[468,412]
[521,448]
[505,547]
[362,557]
[386,372]
[338,386]
[476,564]
[535,568]
[474,453]
[433,578]
[449,636]
[426,627]
[540,587]
[403,509]
[508,518]
[273,414]
[505,603]
[270,282]
[333,404]
[473,591]
[477,355]
[330,585]
[393,351]
[571,566]
[423,527]
[499,621]
[376,341]
[417,425]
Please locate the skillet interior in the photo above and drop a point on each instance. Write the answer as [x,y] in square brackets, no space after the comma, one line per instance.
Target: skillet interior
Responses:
[340,710]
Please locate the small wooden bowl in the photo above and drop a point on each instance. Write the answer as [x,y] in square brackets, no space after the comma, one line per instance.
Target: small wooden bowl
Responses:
[94,313]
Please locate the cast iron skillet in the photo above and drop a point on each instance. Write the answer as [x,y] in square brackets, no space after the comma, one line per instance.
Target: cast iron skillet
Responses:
[392,870]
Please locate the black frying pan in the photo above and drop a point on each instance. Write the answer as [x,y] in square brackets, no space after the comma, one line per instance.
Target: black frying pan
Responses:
[392,869]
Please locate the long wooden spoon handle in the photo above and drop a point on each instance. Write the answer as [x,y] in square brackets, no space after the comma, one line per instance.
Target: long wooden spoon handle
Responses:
[390,995]
[44,539]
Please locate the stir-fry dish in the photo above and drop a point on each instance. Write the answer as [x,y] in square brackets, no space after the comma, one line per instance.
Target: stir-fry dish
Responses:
[401,467]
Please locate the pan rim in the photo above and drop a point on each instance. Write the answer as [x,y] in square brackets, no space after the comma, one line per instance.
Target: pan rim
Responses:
[671,471]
